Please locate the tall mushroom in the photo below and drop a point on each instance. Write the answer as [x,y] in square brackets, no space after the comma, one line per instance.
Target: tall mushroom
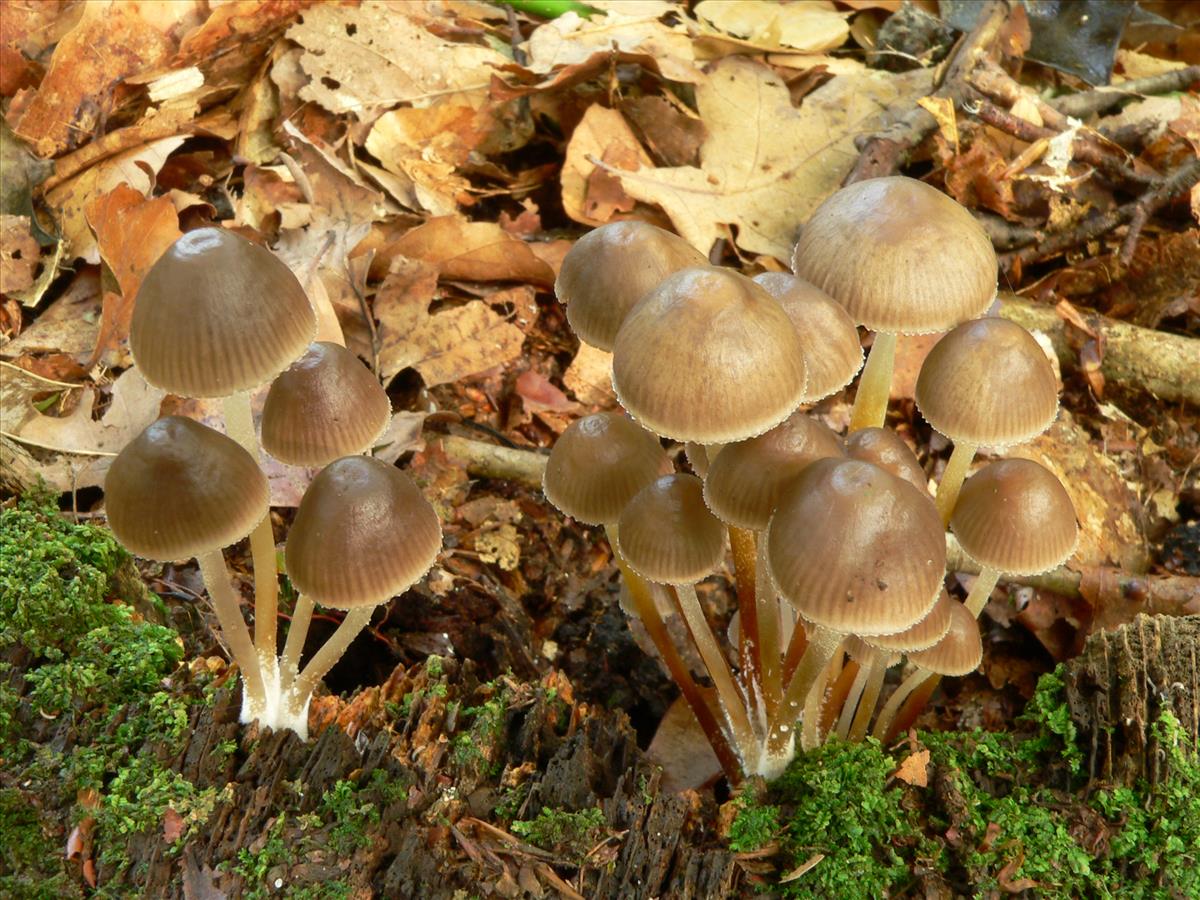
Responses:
[217,316]
[903,258]
[178,490]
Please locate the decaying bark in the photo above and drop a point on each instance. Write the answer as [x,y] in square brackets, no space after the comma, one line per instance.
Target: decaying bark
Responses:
[1120,685]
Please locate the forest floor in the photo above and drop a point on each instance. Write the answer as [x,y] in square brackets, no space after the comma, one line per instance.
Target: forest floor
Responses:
[489,733]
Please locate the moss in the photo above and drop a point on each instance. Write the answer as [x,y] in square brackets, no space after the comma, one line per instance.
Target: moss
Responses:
[569,834]
[476,748]
[349,818]
[29,858]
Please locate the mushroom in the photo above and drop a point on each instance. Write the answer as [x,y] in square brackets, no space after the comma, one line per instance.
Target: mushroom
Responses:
[958,653]
[1013,516]
[598,464]
[886,449]
[832,352]
[668,536]
[325,405]
[215,317]
[903,258]
[363,534]
[742,486]
[609,269]
[178,490]
[986,382]
[857,551]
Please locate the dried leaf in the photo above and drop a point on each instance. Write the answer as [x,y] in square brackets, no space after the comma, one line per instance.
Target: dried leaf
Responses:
[456,343]
[19,254]
[360,59]
[589,377]
[914,769]
[808,27]
[682,749]
[766,165]
[590,194]
[473,251]
[571,41]
[425,147]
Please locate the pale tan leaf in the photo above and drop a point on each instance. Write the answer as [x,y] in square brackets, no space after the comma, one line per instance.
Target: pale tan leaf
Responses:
[808,27]
[589,194]
[19,254]
[463,341]
[589,377]
[570,40]
[915,769]
[473,251]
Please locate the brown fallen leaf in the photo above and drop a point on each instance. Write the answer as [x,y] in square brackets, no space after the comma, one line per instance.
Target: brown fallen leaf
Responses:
[473,251]
[590,194]
[681,748]
[914,769]
[69,325]
[425,147]
[589,377]
[19,254]
[766,165]
[362,59]
[452,344]
[132,233]
[807,27]
[109,43]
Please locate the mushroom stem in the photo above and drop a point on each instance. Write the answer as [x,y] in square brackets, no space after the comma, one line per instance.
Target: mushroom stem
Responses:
[883,724]
[718,669]
[875,384]
[233,627]
[912,707]
[870,697]
[795,651]
[647,611]
[355,621]
[769,642]
[981,590]
[741,541]
[239,423]
[851,703]
[807,687]
[838,691]
[952,479]
[294,646]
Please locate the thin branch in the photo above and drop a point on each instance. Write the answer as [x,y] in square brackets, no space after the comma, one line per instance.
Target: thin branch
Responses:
[1104,98]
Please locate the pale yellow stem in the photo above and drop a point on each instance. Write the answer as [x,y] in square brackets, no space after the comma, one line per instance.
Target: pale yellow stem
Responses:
[294,646]
[952,479]
[229,615]
[875,384]
[324,659]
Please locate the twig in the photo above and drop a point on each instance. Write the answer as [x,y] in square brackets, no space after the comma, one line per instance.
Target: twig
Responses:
[490,461]
[883,153]
[1169,188]
[1144,359]
[1179,182]
[1101,99]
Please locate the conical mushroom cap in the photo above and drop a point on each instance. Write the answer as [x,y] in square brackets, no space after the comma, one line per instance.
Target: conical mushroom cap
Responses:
[745,479]
[217,315]
[708,356]
[959,653]
[832,352]
[363,533]
[988,382]
[902,257]
[1015,516]
[180,489]
[609,269]
[325,405]
[924,634]
[598,464]
[855,549]
[667,534]
[886,449]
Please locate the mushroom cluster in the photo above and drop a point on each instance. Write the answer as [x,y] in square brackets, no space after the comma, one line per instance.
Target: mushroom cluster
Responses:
[838,545]
[216,317]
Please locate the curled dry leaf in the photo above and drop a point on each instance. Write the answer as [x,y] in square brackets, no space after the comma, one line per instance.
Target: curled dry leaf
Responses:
[425,147]
[766,165]
[808,27]
[363,59]
[591,194]
[473,251]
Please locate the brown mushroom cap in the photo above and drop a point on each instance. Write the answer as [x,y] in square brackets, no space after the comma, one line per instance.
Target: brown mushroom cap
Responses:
[960,652]
[886,449]
[832,352]
[597,465]
[901,256]
[924,634]
[708,356]
[180,489]
[745,479]
[988,382]
[1015,516]
[363,533]
[863,653]
[216,315]
[856,549]
[667,534]
[325,405]
[609,269]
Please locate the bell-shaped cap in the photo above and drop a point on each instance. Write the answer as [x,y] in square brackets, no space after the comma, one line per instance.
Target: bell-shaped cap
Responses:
[180,489]
[325,405]
[216,315]
[363,533]
[988,382]
[959,653]
[667,534]
[863,653]
[925,633]
[745,479]
[832,352]
[609,269]
[855,549]
[598,463]
[1015,516]
[708,356]
[901,256]
[886,449]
